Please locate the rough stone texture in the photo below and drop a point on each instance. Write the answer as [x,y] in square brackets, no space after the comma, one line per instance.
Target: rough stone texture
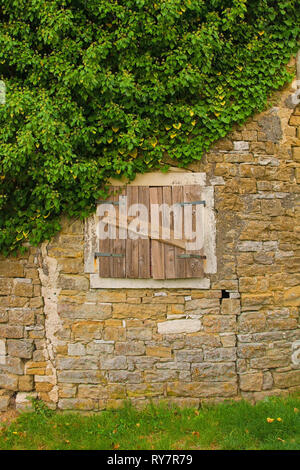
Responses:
[89,349]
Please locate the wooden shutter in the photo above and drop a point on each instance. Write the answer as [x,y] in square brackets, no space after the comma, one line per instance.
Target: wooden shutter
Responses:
[149,257]
[169,261]
[125,258]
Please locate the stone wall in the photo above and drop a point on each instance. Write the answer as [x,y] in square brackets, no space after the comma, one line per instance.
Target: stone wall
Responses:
[79,348]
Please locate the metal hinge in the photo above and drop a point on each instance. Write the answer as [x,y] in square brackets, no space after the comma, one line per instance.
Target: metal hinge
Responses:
[116,203]
[194,203]
[107,255]
[188,255]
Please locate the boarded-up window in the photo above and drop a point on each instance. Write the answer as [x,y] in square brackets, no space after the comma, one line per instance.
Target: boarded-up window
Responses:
[152,232]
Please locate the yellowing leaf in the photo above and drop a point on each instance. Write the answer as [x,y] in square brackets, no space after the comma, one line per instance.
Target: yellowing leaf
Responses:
[261,33]
[133,153]
[194,123]
[110,141]
[217,114]
[167,128]
[172,136]
[177,126]
[192,113]
[115,129]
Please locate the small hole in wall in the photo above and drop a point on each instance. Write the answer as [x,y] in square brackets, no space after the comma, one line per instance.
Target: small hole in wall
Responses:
[225,294]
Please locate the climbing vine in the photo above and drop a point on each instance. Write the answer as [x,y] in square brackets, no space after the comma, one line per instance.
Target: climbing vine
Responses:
[99,88]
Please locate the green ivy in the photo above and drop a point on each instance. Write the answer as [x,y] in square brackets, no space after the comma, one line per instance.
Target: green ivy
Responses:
[100,88]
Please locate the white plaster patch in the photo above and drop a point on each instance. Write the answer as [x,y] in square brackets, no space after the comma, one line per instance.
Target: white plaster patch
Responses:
[53,323]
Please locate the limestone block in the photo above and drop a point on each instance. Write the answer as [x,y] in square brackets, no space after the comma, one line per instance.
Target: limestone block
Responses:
[189,355]
[12,365]
[202,389]
[124,376]
[133,348]
[178,326]
[7,331]
[2,347]
[25,383]
[82,404]
[77,363]
[76,349]
[213,372]
[158,351]
[251,382]
[5,397]
[21,316]
[292,296]
[22,348]
[23,402]
[116,362]
[240,146]
[8,381]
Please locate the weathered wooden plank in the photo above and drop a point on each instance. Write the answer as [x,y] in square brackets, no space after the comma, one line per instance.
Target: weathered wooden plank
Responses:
[105,246]
[157,247]
[169,251]
[144,243]
[132,245]
[193,266]
[177,198]
[118,245]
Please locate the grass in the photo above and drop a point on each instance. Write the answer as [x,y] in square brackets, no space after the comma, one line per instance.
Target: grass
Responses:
[230,425]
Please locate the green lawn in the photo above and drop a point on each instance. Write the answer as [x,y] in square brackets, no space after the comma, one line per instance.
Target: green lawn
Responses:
[231,425]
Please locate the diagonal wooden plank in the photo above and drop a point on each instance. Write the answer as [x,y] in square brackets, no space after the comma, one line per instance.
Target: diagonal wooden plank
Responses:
[105,246]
